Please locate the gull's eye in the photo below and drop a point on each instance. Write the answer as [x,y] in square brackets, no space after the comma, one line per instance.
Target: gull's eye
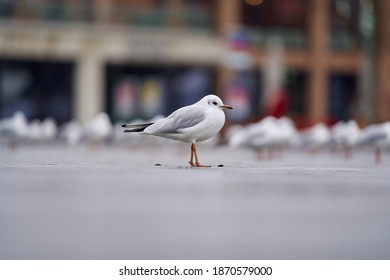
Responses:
[215,103]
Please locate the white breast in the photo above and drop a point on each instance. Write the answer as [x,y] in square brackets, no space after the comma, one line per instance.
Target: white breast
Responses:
[206,129]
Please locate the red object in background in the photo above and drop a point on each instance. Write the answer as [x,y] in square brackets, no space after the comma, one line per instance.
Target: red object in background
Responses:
[278,103]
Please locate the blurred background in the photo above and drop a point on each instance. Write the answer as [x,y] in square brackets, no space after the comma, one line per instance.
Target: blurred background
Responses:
[311,60]
[310,75]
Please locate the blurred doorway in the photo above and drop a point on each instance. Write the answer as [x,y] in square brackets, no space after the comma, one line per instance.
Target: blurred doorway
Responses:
[341,97]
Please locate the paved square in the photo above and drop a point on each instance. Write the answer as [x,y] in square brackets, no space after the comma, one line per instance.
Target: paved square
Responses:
[114,203]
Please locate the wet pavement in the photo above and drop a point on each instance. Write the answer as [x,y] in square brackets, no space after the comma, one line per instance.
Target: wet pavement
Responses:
[146,203]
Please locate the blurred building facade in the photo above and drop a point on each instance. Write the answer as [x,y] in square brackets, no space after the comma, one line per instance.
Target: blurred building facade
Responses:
[313,60]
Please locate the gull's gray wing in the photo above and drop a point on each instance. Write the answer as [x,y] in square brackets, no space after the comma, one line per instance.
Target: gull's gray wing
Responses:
[182,118]
[374,137]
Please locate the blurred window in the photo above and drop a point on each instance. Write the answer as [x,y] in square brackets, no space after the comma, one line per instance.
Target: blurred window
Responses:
[341,96]
[283,18]
[49,10]
[198,14]
[296,84]
[39,89]
[344,24]
[145,91]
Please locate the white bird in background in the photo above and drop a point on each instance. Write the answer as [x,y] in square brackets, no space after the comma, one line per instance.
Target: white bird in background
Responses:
[97,130]
[70,132]
[44,131]
[190,124]
[258,132]
[345,135]
[14,129]
[376,135]
[288,133]
[269,134]
[48,129]
[34,131]
[315,137]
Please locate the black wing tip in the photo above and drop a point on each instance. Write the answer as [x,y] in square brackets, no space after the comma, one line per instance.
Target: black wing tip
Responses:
[136,127]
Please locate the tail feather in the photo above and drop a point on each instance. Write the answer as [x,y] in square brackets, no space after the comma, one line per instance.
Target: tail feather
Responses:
[136,127]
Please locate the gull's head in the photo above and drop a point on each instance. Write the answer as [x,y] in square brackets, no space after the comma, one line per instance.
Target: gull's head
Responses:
[214,102]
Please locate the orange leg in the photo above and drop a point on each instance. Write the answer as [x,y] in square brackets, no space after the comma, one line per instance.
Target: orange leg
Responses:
[193,153]
[378,157]
[347,152]
[191,162]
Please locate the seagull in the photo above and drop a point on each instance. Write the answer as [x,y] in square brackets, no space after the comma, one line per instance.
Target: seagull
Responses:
[14,129]
[98,129]
[270,135]
[377,135]
[345,135]
[71,132]
[189,124]
[314,137]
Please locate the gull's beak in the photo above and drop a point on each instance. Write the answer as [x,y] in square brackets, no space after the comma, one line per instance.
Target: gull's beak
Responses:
[226,107]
